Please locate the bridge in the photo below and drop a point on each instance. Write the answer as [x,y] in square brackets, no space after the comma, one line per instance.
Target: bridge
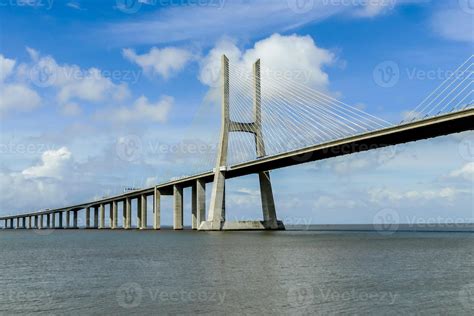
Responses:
[289,124]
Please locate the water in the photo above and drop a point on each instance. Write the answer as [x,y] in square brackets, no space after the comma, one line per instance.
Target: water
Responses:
[166,272]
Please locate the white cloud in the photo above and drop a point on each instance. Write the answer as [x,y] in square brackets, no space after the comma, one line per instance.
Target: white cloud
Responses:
[466,172]
[142,110]
[70,82]
[6,67]
[165,62]
[71,109]
[54,164]
[296,56]
[454,24]
[15,96]
[34,54]
[388,195]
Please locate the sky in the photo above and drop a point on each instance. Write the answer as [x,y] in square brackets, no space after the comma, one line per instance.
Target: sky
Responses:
[98,96]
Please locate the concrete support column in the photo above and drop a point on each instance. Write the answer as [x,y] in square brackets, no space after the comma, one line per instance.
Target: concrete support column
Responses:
[53,220]
[23,223]
[102,216]
[194,224]
[178,207]
[124,213]
[17,223]
[143,211]
[139,212]
[41,222]
[68,219]
[60,216]
[5,223]
[128,213]
[114,215]
[88,217]
[30,220]
[36,222]
[74,220]
[48,221]
[157,209]
[96,217]
[200,201]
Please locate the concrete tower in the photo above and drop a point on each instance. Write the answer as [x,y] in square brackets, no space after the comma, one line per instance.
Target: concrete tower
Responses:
[216,218]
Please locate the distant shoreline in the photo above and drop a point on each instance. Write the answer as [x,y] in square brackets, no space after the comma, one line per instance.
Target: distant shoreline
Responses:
[460,227]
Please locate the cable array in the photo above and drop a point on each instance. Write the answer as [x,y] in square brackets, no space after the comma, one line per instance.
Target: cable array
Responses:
[453,94]
[294,116]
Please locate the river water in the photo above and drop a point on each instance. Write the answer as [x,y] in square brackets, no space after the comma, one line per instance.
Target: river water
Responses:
[292,272]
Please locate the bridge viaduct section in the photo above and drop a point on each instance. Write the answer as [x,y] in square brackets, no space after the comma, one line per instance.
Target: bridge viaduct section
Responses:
[135,203]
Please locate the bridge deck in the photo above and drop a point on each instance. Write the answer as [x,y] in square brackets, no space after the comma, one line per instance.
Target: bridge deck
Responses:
[423,129]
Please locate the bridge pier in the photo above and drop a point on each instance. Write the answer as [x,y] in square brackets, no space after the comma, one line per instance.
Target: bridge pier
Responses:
[74,219]
[60,220]
[177,207]
[68,219]
[102,216]
[194,224]
[143,211]
[139,212]
[128,213]
[217,212]
[96,217]
[114,215]
[88,217]
[156,209]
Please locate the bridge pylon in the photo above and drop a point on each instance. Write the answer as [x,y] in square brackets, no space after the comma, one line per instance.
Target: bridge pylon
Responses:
[217,213]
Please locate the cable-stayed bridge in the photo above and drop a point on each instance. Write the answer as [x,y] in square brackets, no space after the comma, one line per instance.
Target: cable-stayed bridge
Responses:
[270,122]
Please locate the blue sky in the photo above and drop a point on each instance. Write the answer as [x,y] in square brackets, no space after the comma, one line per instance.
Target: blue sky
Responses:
[139,72]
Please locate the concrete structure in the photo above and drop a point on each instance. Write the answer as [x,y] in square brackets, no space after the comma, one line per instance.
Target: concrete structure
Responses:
[444,124]
[217,220]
